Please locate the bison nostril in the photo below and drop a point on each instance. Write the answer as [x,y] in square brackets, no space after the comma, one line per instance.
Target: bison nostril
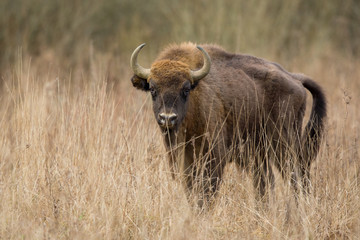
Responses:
[172,117]
[168,118]
[161,119]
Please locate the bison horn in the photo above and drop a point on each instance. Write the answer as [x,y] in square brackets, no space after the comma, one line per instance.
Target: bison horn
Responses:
[201,73]
[137,69]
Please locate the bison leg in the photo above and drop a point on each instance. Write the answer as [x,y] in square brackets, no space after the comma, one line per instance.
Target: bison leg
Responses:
[203,183]
[206,178]
[288,167]
[263,176]
[305,178]
[202,169]
[212,178]
[206,181]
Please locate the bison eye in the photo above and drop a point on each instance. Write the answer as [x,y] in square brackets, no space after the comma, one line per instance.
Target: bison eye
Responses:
[153,92]
[186,92]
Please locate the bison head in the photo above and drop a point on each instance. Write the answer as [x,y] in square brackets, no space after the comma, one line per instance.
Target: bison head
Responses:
[170,83]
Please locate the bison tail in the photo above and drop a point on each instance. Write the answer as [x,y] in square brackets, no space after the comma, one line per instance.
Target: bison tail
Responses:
[314,129]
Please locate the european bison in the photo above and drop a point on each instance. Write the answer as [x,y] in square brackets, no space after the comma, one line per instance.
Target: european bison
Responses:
[215,107]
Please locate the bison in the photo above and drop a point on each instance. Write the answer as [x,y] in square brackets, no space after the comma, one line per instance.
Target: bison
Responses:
[215,107]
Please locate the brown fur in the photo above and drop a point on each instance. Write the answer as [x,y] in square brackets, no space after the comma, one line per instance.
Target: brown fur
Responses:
[246,109]
[166,69]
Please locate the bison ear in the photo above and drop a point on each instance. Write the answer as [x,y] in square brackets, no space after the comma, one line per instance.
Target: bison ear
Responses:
[140,83]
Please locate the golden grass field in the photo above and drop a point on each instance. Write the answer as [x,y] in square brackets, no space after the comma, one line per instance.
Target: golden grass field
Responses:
[81,157]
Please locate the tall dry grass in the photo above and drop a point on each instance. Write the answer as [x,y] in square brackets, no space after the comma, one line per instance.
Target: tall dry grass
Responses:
[81,157]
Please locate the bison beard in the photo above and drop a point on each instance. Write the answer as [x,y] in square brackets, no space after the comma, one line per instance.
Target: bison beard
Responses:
[214,107]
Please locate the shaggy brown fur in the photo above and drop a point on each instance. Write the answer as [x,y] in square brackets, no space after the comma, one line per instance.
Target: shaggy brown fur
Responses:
[246,109]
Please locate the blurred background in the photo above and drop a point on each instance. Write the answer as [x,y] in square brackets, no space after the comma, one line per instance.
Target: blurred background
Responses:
[68,32]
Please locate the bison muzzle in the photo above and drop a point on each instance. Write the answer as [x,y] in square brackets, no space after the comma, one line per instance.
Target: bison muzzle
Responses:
[215,107]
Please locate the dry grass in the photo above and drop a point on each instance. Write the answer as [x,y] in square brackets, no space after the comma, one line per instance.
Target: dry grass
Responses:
[82,157]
